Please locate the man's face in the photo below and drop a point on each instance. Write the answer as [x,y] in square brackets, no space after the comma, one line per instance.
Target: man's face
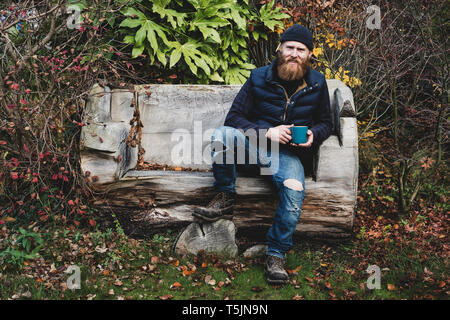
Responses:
[294,59]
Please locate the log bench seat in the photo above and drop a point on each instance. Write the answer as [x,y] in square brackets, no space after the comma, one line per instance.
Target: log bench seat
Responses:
[182,117]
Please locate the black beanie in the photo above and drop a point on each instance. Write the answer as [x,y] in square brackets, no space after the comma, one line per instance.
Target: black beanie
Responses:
[300,34]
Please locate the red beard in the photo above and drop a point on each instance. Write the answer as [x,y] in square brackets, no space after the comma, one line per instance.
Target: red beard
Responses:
[288,71]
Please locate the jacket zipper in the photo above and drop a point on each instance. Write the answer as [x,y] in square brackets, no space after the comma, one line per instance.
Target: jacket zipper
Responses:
[288,99]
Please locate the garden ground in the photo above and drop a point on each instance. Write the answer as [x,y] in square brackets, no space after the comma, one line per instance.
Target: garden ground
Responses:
[411,252]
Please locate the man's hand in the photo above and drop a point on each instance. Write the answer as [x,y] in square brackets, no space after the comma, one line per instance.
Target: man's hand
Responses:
[280,134]
[308,142]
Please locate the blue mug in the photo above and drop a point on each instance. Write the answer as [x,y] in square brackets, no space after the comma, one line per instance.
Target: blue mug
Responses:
[299,134]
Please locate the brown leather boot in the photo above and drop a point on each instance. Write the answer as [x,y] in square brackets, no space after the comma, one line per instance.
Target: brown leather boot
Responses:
[275,273]
[220,207]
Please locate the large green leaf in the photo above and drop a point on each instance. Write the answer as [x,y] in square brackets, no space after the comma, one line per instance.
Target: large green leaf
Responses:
[141,35]
[271,17]
[130,23]
[216,77]
[137,51]
[175,56]
[174,17]
[161,57]
[129,39]
[209,33]
[236,16]
[238,74]
[193,57]
[130,12]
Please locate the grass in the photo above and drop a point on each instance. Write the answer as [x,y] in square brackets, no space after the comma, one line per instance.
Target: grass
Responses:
[114,267]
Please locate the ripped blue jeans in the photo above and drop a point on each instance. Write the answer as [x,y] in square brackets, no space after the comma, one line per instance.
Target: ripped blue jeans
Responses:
[285,176]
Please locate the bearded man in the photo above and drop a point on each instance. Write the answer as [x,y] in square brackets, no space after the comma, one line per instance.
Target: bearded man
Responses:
[275,98]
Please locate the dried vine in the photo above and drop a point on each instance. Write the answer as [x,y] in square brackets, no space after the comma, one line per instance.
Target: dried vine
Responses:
[135,135]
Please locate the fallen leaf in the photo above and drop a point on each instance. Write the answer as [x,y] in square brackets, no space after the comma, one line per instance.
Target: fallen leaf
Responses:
[118,283]
[100,250]
[257,289]
[176,285]
[111,292]
[296,270]
[297,297]
[166,297]
[390,287]
[426,271]
[212,282]
[176,263]
[154,260]
[328,285]
[187,272]
[91,296]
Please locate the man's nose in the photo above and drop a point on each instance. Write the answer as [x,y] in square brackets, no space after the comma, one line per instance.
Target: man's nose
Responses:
[294,53]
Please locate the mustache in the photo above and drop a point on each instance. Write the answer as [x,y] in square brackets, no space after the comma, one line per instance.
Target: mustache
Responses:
[287,60]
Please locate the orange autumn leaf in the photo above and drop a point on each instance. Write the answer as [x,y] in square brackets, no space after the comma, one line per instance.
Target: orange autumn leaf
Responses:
[176,285]
[390,287]
[294,270]
[186,272]
[176,263]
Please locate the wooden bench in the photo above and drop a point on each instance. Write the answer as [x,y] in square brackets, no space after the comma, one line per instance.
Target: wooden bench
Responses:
[148,201]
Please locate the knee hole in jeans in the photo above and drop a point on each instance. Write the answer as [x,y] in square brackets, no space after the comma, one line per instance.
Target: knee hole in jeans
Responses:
[293,184]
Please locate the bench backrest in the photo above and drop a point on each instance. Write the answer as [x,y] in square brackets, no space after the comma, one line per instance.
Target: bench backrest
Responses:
[177,120]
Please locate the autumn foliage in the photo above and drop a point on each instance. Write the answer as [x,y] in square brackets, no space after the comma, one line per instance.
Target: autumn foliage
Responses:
[47,69]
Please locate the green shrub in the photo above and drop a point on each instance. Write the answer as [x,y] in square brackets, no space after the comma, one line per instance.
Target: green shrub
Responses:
[206,39]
